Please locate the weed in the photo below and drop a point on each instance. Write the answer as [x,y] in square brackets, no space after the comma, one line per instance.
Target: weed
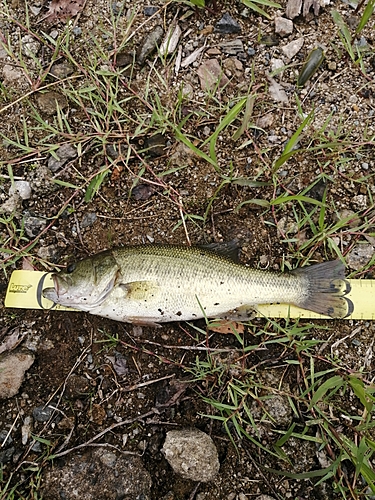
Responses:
[234,391]
[255,5]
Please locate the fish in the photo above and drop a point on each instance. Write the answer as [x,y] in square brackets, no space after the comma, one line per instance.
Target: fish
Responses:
[153,284]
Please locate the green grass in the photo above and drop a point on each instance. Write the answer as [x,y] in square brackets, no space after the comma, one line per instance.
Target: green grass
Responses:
[319,409]
[111,108]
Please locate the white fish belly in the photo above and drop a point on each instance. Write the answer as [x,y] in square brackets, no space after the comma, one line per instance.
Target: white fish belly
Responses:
[193,299]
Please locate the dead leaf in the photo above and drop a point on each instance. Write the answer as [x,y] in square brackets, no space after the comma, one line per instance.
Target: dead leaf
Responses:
[171,40]
[62,10]
[116,172]
[26,265]
[226,327]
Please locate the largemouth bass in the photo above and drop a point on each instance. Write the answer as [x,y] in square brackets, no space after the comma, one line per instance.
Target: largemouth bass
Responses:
[150,284]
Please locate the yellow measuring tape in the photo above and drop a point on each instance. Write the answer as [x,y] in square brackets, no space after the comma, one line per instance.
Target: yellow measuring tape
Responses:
[25,290]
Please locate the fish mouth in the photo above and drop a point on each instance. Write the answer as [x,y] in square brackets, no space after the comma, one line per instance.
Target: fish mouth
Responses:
[53,293]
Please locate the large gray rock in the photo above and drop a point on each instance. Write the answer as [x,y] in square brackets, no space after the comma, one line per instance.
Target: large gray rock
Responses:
[192,454]
[98,474]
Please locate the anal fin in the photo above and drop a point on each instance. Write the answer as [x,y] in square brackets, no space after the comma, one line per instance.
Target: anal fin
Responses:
[242,313]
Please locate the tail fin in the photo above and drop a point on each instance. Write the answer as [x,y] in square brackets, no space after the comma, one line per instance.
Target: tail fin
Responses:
[326,289]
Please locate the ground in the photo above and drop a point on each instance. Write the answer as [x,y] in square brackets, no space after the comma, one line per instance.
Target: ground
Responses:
[162,151]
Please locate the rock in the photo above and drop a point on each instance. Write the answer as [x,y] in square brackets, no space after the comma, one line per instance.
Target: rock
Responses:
[33,225]
[114,150]
[293,8]
[192,454]
[150,10]
[209,73]
[7,454]
[5,438]
[97,474]
[12,205]
[251,52]
[183,156]
[61,70]
[26,430]
[49,102]
[43,413]
[64,153]
[265,121]
[149,44]
[276,65]
[213,52]
[156,145]
[125,60]
[77,387]
[232,47]
[233,67]
[6,448]
[283,27]
[89,219]
[292,48]
[119,363]
[142,192]
[278,408]
[359,202]
[360,255]
[30,46]
[12,75]
[352,219]
[35,9]
[227,25]
[22,188]
[50,253]
[40,180]
[118,8]
[276,91]
[13,366]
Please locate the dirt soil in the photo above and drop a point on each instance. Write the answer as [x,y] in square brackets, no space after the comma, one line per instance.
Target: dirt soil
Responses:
[98,373]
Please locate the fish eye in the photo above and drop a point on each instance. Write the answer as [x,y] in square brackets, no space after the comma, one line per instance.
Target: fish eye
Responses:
[71,268]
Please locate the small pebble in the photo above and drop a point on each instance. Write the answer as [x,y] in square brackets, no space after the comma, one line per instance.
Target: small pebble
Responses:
[22,188]
[227,25]
[150,10]
[33,225]
[89,219]
[149,44]
[283,27]
[43,413]
[292,48]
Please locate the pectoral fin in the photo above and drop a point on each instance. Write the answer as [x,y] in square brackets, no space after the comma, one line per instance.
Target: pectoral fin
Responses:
[140,290]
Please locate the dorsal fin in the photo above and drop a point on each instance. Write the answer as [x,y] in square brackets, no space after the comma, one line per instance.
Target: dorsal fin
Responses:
[229,249]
